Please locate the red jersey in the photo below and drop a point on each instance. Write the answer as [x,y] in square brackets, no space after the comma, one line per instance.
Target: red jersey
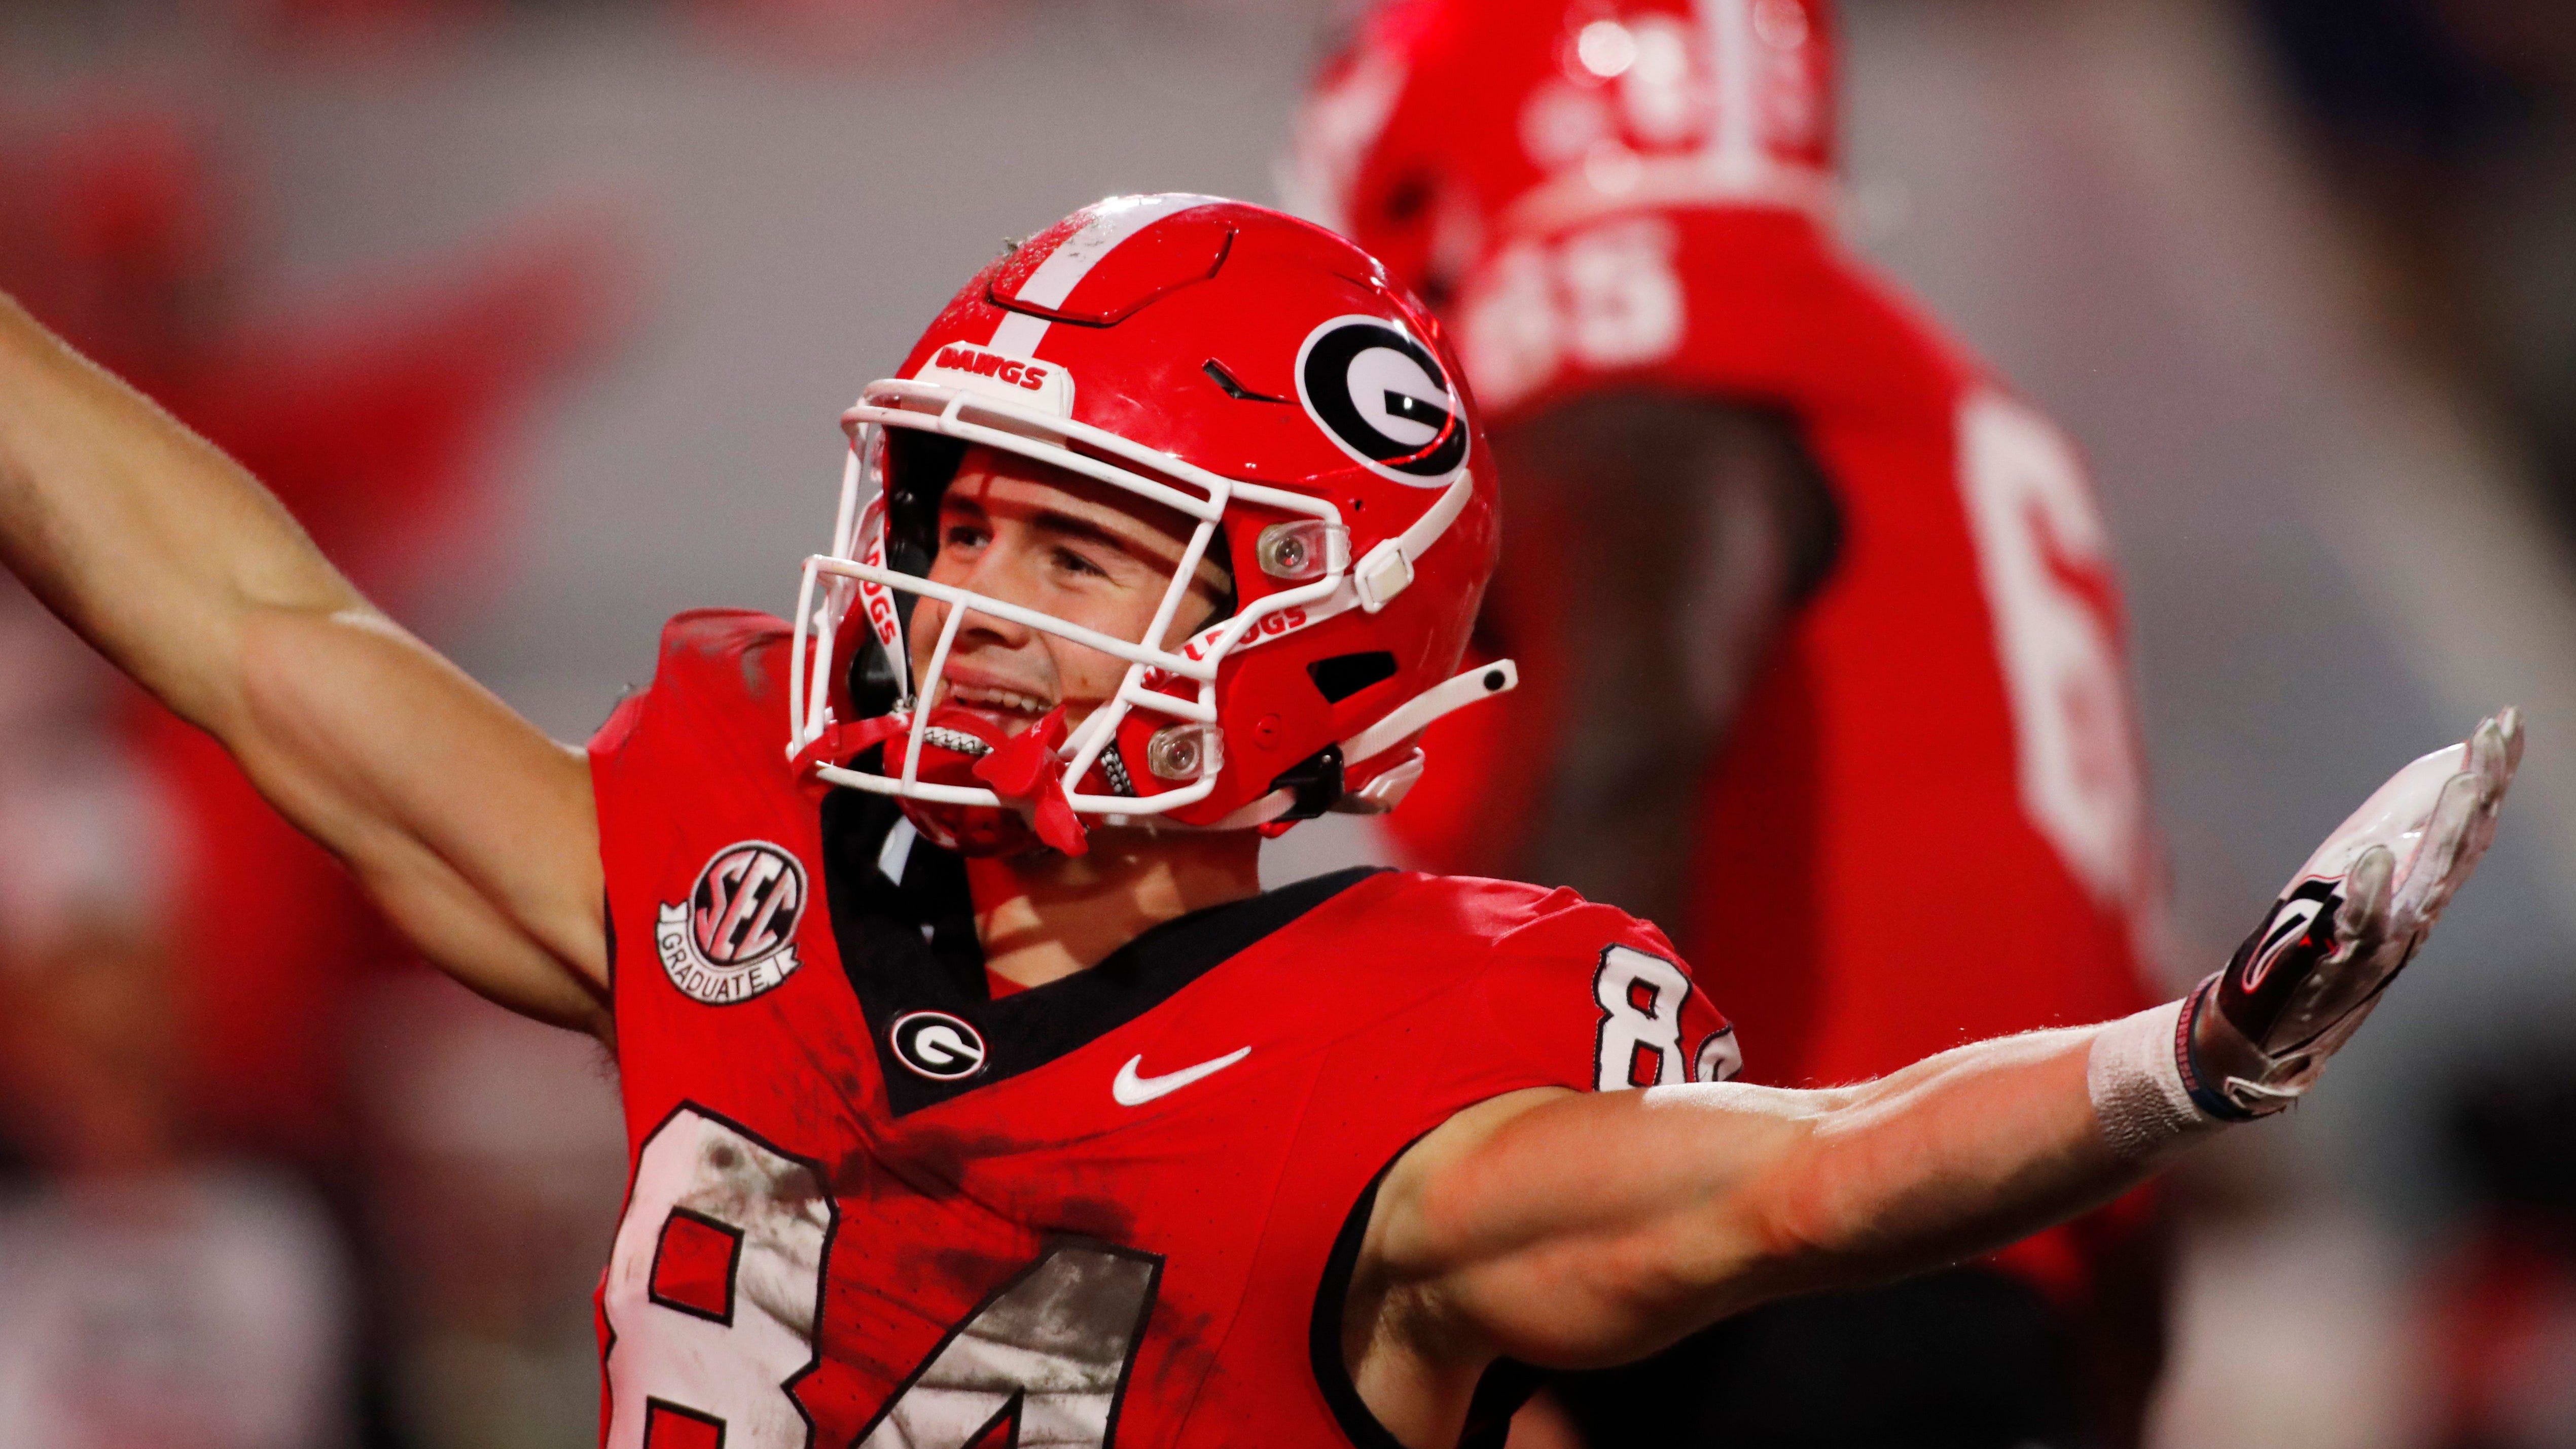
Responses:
[1926,827]
[872,1204]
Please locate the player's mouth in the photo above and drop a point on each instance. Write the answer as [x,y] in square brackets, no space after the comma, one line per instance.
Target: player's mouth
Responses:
[1008,711]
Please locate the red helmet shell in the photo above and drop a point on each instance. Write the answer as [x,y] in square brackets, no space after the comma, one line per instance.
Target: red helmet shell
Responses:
[1447,124]
[1202,344]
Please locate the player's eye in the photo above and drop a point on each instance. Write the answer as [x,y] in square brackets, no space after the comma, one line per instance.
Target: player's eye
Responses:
[1073,562]
[963,535]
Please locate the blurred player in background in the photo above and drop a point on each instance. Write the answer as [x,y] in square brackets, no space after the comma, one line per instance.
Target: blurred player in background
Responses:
[1820,639]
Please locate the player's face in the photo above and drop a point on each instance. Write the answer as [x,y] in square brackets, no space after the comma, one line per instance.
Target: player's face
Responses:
[1086,552]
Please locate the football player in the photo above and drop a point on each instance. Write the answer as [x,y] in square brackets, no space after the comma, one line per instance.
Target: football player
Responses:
[1791,579]
[976,1092]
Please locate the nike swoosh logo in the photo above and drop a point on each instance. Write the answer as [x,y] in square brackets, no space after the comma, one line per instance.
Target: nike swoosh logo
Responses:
[1132,1090]
[2295,921]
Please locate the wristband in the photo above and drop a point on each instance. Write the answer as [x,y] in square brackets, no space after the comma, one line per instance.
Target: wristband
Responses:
[2229,1060]
[2138,1092]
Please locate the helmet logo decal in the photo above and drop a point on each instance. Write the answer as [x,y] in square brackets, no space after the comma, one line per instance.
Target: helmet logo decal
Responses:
[1046,386]
[735,935]
[1384,399]
[1015,371]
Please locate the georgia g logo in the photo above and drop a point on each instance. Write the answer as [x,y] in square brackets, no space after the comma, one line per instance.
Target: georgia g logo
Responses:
[735,936]
[1384,399]
[936,1045]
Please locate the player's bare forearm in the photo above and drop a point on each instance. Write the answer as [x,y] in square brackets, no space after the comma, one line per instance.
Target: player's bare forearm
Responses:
[1589,1229]
[1951,1157]
[471,827]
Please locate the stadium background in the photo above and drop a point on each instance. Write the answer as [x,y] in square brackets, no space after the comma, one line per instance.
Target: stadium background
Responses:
[550,307]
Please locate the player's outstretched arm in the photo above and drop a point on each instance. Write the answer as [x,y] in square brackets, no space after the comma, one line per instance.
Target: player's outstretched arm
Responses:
[473,830]
[1573,1230]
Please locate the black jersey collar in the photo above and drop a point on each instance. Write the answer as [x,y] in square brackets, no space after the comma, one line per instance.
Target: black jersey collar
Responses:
[906,930]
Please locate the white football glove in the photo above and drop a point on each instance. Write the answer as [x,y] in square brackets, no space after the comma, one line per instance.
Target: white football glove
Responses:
[2253,1037]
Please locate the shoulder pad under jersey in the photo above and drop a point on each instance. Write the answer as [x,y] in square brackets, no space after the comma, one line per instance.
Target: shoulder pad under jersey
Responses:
[721,671]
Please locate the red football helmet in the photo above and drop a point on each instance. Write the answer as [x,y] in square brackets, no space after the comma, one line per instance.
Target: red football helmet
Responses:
[1260,376]
[1448,126]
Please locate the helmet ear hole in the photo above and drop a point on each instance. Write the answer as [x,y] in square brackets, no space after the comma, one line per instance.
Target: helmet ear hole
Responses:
[1344,675]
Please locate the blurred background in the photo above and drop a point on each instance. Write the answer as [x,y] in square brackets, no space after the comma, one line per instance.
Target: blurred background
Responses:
[539,313]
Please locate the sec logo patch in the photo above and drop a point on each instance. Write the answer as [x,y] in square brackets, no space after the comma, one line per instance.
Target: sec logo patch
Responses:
[735,936]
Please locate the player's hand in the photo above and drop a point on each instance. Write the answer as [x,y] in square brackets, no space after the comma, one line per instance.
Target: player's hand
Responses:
[2255,1035]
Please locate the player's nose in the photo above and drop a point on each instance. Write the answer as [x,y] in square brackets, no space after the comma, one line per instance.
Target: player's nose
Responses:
[1007,573]
[979,631]
[984,629]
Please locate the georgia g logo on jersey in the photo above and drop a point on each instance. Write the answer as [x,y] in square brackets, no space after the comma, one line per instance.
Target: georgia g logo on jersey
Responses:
[1384,399]
[735,936]
[936,1045]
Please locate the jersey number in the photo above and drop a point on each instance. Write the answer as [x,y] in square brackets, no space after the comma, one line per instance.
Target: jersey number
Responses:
[1604,298]
[1640,1040]
[2045,559]
[717,1276]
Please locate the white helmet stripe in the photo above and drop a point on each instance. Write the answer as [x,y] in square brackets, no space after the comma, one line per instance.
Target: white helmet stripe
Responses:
[1018,336]
[1735,142]
[1054,279]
